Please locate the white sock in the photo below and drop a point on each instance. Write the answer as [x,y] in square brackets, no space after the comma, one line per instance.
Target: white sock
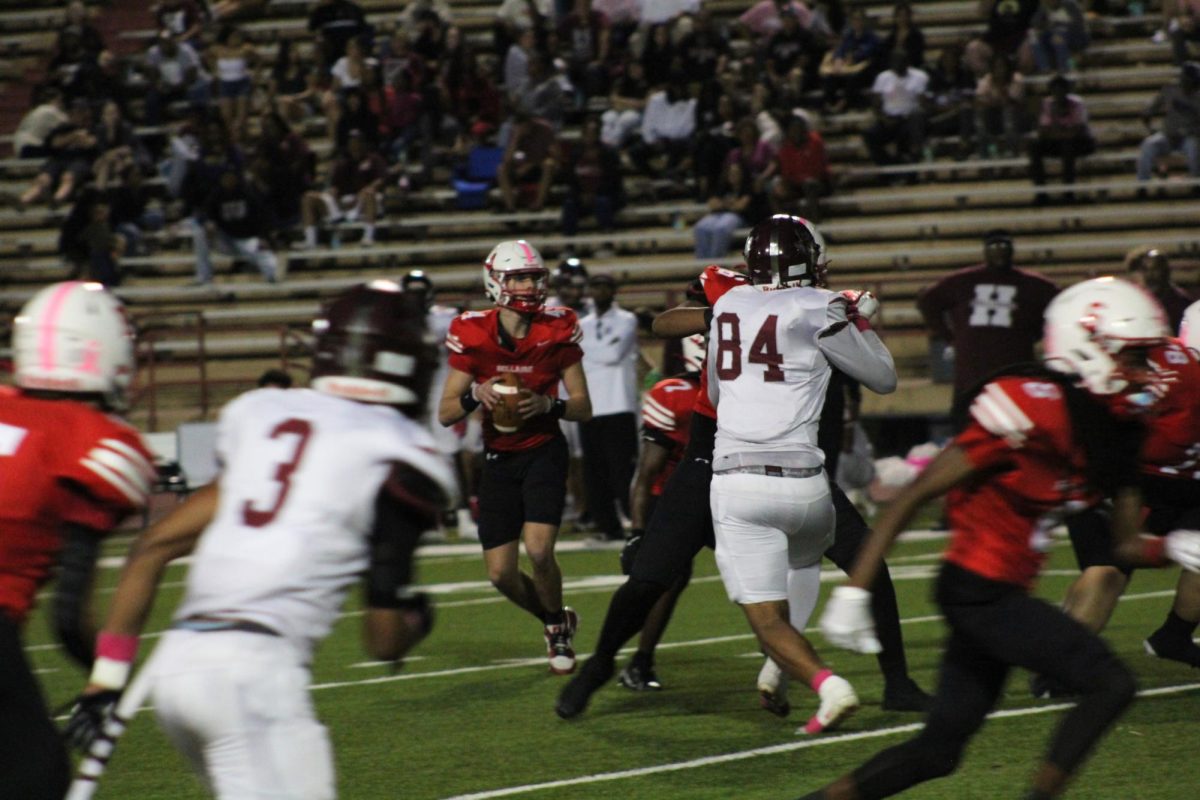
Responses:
[804,587]
[310,235]
[369,232]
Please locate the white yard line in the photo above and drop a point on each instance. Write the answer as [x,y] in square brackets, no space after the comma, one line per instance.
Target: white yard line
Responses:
[789,747]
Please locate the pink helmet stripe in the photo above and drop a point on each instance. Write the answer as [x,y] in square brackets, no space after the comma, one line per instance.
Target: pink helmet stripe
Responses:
[53,309]
[525,248]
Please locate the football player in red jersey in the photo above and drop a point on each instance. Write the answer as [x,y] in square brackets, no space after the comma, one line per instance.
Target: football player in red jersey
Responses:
[523,487]
[69,473]
[1037,446]
[666,419]
[680,527]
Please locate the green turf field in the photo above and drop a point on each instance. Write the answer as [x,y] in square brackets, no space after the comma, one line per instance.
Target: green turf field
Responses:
[471,714]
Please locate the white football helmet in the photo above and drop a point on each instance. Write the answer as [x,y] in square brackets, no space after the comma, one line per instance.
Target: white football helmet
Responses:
[515,257]
[75,337]
[1189,329]
[1089,327]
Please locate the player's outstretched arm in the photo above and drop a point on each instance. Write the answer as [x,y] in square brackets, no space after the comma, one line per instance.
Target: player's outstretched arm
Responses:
[1180,546]
[681,321]
[579,402]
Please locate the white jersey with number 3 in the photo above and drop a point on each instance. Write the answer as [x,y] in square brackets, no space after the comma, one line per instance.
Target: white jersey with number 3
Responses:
[301,474]
[770,355]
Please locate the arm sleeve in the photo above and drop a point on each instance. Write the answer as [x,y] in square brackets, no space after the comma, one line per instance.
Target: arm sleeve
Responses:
[407,506]
[77,562]
[859,354]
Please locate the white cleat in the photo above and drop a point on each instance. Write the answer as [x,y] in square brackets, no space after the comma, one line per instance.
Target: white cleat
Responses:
[772,689]
[838,703]
[466,526]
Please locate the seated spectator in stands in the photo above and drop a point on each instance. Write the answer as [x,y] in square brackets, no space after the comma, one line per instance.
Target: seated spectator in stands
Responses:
[216,153]
[592,173]
[183,18]
[516,64]
[110,78]
[29,139]
[123,186]
[233,61]
[1179,103]
[898,103]
[1183,26]
[1008,25]
[287,168]
[786,53]
[1062,131]
[355,115]
[293,86]
[69,63]
[73,149]
[87,239]
[336,22]
[704,50]
[396,55]
[623,18]
[1150,268]
[544,98]
[585,37]
[717,135]
[238,220]
[400,122]
[626,103]
[668,124]
[951,108]
[429,38]
[475,101]
[658,55]
[348,73]
[115,136]
[515,18]
[355,186]
[173,73]
[905,35]
[1057,31]
[735,203]
[755,154]
[529,161]
[765,18]
[803,175]
[849,68]
[1000,109]
[77,24]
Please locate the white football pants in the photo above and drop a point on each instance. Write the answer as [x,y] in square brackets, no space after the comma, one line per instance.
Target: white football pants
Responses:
[237,706]
[765,525]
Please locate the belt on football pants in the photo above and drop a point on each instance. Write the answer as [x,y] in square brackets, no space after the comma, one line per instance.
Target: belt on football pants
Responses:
[210,624]
[773,471]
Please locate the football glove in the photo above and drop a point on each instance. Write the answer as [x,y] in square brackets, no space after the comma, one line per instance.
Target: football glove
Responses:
[847,623]
[629,552]
[864,302]
[1183,547]
[89,715]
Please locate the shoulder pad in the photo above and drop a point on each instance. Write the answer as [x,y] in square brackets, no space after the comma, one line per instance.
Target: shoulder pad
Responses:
[718,280]
[1013,408]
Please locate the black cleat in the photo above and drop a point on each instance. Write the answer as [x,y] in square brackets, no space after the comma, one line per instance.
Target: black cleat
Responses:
[904,695]
[1174,648]
[1045,688]
[574,697]
[640,678]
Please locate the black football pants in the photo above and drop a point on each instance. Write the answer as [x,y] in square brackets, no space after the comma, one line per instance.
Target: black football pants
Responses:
[33,758]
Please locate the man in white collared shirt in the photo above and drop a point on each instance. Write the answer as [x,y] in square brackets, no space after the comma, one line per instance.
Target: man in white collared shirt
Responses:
[610,359]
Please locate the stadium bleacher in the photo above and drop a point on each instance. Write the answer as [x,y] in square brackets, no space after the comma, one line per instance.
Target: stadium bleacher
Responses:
[883,233]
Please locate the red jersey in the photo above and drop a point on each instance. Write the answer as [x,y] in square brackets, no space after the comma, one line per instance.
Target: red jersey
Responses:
[1031,474]
[552,345]
[666,419]
[716,282]
[1172,446]
[60,462]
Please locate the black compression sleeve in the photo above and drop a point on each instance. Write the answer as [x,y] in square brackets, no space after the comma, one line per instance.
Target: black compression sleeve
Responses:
[393,542]
[77,562]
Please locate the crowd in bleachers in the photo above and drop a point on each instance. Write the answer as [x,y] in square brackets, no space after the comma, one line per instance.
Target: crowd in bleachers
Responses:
[563,101]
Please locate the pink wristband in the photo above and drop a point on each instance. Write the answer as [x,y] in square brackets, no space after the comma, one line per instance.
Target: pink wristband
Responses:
[116,646]
[819,678]
[1154,550]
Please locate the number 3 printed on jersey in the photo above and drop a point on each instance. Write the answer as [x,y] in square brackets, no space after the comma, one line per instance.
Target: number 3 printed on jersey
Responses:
[763,350]
[301,430]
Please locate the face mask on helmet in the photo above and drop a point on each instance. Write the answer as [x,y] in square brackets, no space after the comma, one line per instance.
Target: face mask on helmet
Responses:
[372,346]
[1100,331]
[74,337]
[515,276]
[785,251]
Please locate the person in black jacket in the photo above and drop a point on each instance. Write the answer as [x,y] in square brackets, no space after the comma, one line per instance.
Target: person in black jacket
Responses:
[241,222]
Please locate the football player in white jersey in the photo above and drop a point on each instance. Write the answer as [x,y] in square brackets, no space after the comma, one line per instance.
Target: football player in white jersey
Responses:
[318,487]
[462,442]
[772,346]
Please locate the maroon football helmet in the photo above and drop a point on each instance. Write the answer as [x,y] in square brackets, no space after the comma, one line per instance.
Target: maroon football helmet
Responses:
[372,346]
[785,251]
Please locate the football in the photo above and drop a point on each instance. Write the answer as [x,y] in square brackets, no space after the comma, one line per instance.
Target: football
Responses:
[505,417]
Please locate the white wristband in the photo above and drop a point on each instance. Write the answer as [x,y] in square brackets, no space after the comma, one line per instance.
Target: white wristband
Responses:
[110,673]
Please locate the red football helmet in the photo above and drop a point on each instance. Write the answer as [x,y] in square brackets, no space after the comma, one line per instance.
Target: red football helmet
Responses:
[372,346]
[785,251]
